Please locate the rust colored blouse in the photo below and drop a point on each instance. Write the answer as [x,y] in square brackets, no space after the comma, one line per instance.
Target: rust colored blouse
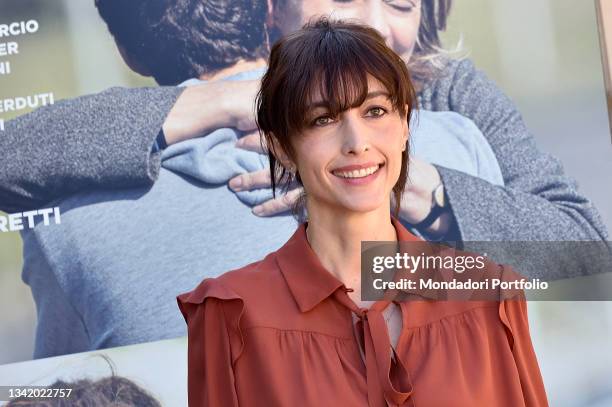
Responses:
[280,332]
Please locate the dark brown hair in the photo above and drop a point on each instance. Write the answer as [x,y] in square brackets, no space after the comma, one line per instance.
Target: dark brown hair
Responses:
[334,57]
[181,39]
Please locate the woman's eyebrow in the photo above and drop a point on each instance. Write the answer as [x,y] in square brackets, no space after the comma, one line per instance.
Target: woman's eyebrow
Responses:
[370,95]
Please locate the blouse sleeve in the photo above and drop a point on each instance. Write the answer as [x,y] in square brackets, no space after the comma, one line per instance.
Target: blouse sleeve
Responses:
[212,313]
[513,313]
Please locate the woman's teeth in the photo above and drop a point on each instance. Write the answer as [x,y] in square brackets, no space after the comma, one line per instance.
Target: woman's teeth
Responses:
[364,172]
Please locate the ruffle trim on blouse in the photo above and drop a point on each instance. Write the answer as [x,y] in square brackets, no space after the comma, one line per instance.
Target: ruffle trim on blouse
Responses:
[514,310]
[232,307]
[510,298]
[504,318]
[513,314]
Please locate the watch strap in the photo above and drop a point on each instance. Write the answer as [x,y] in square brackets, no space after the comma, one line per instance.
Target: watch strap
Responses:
[160,143]
[435,212]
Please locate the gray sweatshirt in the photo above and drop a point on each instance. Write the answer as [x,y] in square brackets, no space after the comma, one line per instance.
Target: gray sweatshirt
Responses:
[104,141]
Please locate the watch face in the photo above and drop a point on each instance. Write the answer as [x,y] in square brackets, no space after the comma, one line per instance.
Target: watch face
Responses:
[439,196]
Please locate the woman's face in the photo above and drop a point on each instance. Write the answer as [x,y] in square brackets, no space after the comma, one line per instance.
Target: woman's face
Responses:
[397,20]
[351,162]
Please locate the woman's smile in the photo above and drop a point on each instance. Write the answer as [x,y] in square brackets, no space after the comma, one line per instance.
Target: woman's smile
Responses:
[359,174]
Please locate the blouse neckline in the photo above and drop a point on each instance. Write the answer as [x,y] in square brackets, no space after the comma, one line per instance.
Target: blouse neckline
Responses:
[387,378]
[308,281]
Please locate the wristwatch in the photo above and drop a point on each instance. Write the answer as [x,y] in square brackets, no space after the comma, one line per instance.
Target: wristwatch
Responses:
[160,142]
[438,207]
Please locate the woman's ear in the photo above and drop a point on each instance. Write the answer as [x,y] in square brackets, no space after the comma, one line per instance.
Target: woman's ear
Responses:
[406,134]
[281,155]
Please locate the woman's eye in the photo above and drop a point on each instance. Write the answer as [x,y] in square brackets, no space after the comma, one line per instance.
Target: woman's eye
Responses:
[401,5]
[376,111]
[322,121]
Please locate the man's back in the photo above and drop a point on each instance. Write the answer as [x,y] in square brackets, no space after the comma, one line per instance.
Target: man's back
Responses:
[109,274]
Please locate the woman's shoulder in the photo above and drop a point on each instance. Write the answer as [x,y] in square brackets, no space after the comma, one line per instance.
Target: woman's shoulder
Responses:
[239,283]
[452,68]
[257,295]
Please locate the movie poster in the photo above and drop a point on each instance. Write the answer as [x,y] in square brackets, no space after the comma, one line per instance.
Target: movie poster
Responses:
[135,164]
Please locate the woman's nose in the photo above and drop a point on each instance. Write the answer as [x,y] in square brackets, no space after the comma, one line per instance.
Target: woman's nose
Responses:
[374,16]
[354,136]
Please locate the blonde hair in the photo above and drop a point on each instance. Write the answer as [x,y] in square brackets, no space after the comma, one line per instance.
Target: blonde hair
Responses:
[429,56]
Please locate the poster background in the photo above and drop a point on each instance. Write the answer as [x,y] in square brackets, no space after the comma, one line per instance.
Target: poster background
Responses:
[543,53]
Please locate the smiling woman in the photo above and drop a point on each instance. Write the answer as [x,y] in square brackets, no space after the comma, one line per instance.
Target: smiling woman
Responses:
[348,104]
[341,131]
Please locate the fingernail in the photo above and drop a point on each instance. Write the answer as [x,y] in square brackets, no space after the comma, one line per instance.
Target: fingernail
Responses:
[235,183]
[258,210]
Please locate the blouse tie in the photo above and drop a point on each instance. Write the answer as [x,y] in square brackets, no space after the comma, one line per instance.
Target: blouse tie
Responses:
[388,381]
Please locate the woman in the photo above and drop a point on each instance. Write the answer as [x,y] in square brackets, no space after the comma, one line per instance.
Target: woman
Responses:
[291,329]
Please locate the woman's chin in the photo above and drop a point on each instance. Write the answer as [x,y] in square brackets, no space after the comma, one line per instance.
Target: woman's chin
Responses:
[364,204]
[343,202]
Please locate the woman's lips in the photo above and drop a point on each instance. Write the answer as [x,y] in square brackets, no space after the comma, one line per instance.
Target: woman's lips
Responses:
[357,166]
[358,174]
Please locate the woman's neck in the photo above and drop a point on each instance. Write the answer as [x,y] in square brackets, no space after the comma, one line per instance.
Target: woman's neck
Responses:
[336,239]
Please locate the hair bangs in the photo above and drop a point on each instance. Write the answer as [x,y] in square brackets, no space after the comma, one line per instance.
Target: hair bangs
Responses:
[335,76]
